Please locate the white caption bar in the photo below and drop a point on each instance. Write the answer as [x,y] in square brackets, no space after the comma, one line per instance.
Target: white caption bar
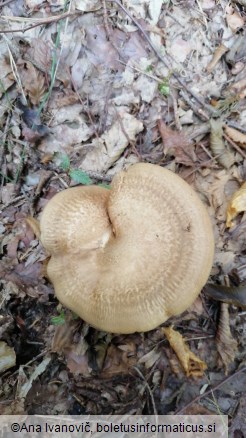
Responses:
[168,426]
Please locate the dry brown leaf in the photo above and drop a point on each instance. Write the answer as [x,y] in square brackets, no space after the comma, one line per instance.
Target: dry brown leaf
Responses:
[234,20]
[197,409]
[65,98]
[192,365]
[236,205]
[78,363]
[175,143]
[15,407]
[226,344]
[224,157]
[63,337]
[6,75]
[236,135]
[109,147]
[119,361]
[24,276]
[239,88]
[47,158]
[219,52]
[77,357]
[33,83]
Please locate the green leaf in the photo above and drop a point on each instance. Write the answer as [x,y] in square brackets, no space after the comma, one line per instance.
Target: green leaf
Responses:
[65,162]
[164,88]
[58,320]
[149,68]
[105,185]
[80,177]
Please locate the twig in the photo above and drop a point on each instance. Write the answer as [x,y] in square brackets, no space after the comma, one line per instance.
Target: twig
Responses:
[160,81]
[5,3]
[39,22]
[174,18]
[32,360]
[198,131]
[99,176]
[3,139]
[15,71]
[238,149]
[236,126]
[175,110]
[44,179]
[211,390]
[108,32]
[198,111]
[149,389]
[13,201]
[207,151]
[125,133]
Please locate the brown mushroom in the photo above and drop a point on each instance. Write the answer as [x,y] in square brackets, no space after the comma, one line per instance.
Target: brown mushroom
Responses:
[128,258]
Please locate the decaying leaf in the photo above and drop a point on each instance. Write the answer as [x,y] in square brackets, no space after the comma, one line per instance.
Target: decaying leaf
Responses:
[236,205]
[219,52]
[7,357]
[108,148]
[87,5]
[150,358]
[224,157]
[25,383]
[77,357]
[234,20]
[155,10]
[78,363]
[34,83]
[119,359]
[192,365]
[6,75]
[63,337]
[226,344]
[175,143]
[236,135]
[239,88]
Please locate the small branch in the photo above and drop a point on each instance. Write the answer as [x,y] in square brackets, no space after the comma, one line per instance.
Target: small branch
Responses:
[175,110]
[234,145]
[39,22]
[149,389]
[3,139]
[5,3]
[198,111]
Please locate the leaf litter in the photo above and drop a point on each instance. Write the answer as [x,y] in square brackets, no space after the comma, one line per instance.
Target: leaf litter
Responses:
[105,85]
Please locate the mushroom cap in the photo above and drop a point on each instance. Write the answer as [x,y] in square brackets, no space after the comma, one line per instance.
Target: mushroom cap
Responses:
[129,258]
